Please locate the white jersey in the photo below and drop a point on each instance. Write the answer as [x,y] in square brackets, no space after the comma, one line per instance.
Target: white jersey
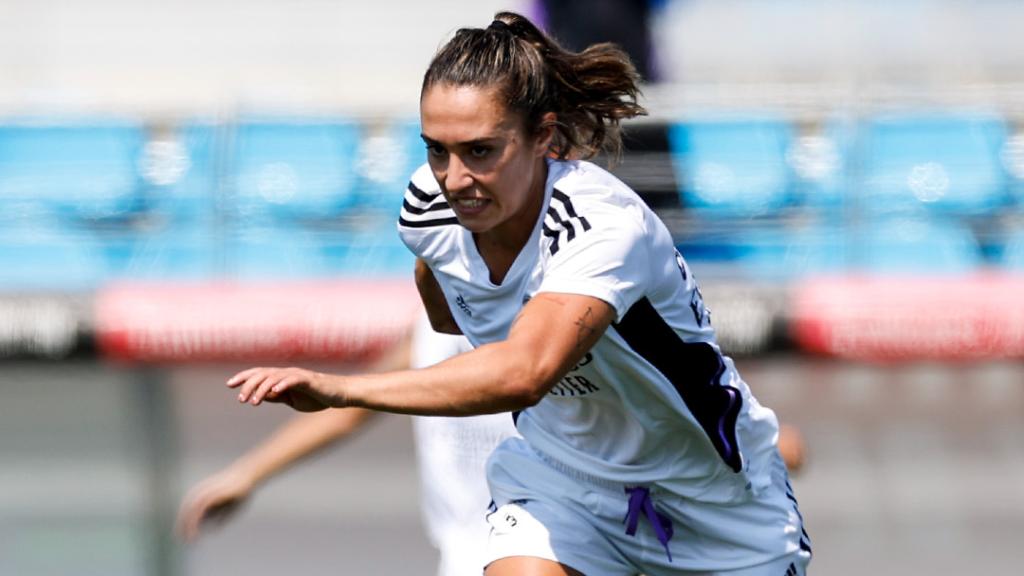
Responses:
[680,415]
[452,453]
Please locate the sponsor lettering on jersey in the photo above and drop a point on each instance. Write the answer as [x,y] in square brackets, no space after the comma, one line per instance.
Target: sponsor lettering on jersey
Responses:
[460,301]
[575,384]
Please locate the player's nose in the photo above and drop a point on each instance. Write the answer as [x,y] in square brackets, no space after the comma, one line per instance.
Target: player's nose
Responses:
[458,176]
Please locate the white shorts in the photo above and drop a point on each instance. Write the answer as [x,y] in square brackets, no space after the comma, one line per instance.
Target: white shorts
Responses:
[544,510]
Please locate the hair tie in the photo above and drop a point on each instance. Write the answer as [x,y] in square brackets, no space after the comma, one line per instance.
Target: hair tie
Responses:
[500,26]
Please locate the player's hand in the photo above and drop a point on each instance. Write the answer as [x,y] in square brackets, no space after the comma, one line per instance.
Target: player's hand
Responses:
[303,390]
[213,499]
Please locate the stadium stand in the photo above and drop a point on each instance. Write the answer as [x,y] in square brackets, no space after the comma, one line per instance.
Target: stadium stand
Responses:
[288,171]
[732,167]
[946,163]
[177,166]
[907,246]
[759,203]
[1013,252]
[819,157]
[73,173]
[388,154]
[43,259]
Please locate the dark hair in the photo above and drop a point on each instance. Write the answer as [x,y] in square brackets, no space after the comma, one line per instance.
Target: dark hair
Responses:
[589,91]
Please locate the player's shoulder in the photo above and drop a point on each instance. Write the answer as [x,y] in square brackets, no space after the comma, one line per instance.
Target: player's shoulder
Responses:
[590,188]
[593,192]
[589,203]
[424,206]
[426,217]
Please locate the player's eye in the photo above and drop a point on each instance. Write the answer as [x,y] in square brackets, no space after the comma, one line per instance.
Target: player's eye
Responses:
[435,149]
[480,151]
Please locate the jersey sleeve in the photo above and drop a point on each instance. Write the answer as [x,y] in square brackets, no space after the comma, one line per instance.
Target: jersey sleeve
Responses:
[425,216]
[606,257]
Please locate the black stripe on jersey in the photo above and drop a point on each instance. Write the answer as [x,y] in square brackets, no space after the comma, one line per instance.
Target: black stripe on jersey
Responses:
[553,234]
[564,224]
[439,204]
[559,224]
[427,223]
[564,199]
[435,203]
[420,194]
[694,369]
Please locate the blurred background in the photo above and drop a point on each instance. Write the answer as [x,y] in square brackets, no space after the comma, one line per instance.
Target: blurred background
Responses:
[188,188]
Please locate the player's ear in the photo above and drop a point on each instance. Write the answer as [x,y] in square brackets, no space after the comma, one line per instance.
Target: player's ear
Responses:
[545,133]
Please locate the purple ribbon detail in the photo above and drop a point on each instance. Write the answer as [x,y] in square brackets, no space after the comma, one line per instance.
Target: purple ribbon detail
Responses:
[640,501]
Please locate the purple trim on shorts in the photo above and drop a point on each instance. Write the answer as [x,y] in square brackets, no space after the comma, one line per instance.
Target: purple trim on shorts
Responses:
[640,501]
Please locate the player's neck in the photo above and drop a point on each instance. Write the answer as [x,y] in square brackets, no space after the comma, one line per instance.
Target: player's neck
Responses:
[500,246]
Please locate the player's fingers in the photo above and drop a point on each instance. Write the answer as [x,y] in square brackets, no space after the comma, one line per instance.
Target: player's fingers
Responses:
[266,387]
[242,376]
[251,384]
[278,391]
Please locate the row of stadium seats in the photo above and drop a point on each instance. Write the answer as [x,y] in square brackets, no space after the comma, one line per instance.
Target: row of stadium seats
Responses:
[285,170]
[256,171]
[87,203]
[924,193]
[940,163]
[41,259]
[52,260]
[83,203]
[890,246]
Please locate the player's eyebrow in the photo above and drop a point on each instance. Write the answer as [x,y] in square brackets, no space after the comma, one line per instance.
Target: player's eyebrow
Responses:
[486,140]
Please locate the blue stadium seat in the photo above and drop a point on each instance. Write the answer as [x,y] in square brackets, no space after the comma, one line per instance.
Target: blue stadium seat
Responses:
[732,167]
[942,163]
[1013,252]
[177,171]
[914,246]
[769,253]
[168,253]
[388,157]
[373,250]
[289,171]
[820,162]
[70,171]
[34,258]
[273,253]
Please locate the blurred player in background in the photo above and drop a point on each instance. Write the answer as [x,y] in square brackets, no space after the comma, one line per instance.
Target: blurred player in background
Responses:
[451,453]
[642,449]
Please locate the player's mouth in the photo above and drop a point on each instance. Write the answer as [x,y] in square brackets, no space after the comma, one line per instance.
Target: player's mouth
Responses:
[469,206]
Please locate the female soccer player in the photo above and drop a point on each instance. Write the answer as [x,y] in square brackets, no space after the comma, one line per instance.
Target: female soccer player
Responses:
[643,450]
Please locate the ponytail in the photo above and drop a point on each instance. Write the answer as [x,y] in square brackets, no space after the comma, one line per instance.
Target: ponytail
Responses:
[590,92]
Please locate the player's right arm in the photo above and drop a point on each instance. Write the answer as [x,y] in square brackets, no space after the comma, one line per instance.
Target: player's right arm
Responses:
[220,494]
[440,315]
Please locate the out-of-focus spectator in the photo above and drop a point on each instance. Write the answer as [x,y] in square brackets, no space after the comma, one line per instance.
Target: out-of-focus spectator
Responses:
[626,23]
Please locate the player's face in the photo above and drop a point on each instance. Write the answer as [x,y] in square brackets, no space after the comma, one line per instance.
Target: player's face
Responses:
[490,168]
